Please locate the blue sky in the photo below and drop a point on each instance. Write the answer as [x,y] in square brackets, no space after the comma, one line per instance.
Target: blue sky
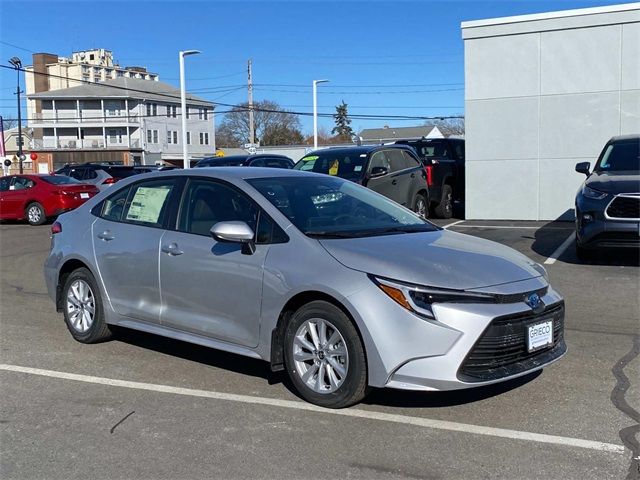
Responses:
[382,58]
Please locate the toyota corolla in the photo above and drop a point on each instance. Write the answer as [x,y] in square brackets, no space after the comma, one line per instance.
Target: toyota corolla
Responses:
[338,285]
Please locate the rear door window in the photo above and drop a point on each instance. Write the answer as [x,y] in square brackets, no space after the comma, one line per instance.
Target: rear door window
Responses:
[396,160]
[410,160]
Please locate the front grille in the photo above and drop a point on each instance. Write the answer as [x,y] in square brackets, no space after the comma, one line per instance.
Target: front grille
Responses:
[501,350]
[624,207]
[616,239]
[519,297]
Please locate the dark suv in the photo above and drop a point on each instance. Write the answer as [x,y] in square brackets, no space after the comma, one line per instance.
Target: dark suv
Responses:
[391,170]
[444,160]
[608,202]
[259,160]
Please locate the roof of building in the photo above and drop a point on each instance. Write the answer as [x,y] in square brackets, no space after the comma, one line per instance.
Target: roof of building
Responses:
[123,87]
[391,133]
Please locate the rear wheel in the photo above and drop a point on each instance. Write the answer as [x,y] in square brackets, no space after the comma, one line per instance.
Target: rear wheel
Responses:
[445,207]
[35,214]
[583,253]
[324,356]
[83,309]
[420,205]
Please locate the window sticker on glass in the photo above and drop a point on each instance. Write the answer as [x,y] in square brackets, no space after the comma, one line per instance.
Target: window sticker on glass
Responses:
[147,204]
[333,170]
[357,168]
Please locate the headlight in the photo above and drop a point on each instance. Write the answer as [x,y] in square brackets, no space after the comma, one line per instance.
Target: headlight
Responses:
[419,299]
[591,193]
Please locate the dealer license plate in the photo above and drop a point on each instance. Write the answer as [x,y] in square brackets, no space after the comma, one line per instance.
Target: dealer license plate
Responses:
[84,195]
[539,335]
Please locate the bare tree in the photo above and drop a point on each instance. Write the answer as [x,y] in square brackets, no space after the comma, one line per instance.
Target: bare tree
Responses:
[9,123]
[449,126]
[272,124]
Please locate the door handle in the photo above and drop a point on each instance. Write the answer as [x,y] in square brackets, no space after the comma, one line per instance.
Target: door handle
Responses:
[106,236]
[394,182]
[172,249]
[413,175]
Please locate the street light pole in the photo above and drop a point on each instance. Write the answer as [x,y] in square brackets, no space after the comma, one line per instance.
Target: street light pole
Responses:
[17,64]
[183,107]
[315,112]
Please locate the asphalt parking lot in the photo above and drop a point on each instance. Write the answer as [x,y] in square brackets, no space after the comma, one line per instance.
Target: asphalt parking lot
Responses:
[148,407]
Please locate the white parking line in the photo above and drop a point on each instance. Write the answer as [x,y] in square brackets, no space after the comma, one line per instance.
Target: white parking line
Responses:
[452,224]
[352,412]
[560,250]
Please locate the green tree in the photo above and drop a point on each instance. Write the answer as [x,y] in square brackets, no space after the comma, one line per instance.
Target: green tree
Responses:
[342,130]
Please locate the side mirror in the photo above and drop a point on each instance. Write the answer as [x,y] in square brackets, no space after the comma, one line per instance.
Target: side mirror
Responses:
[235,232]
[378,172]
[583,167]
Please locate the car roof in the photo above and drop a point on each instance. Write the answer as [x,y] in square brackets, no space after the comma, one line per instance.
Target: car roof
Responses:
[624,138]
[231,173]
[360,149]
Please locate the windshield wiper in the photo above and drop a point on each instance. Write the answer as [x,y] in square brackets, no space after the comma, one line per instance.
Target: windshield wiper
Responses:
[323,234]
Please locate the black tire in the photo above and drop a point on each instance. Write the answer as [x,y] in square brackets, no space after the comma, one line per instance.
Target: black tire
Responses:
[354,386]
[98,330]
[445,208]
[421,205]
[35,214]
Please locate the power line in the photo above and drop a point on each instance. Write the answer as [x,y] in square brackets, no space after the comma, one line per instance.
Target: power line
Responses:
[16,46]
[361,86]
[333,92]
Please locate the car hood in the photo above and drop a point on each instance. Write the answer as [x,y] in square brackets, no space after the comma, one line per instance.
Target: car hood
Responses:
[437,259]
[614,182]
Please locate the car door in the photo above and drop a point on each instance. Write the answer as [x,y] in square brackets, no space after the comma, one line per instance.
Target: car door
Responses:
[211,288]
[7,199]
[126,238]
[384,184]
[15,198]
[401,177]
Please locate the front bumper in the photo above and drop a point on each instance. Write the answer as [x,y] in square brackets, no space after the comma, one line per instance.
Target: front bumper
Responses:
[594,229]
[407,352]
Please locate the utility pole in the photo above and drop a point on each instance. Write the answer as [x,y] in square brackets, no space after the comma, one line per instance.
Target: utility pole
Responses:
[252,135]
[17,64]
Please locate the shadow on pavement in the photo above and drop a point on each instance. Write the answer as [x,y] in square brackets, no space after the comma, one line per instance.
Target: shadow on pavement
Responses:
[551,235]
[408,399]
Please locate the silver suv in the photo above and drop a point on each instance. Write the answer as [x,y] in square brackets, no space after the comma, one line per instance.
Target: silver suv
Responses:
[317,275]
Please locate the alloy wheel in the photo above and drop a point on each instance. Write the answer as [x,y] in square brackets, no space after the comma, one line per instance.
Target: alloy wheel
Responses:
[320,356]
[34,214]
[81,307]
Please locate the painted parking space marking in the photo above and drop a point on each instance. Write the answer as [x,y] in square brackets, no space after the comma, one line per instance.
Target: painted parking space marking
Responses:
[351,412]
[452,224]
[560,250]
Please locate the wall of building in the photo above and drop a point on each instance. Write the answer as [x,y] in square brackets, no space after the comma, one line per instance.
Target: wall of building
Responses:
[542,93]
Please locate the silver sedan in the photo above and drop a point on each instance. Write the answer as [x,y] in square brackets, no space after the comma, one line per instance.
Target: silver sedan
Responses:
[338,285]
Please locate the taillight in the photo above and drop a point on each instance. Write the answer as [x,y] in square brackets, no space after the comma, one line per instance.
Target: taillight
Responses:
[56,228]
[429,170]
[109,181]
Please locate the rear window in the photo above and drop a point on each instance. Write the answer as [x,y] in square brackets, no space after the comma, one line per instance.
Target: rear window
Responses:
[59,179]
[121,172]
[430,149]
[344,165]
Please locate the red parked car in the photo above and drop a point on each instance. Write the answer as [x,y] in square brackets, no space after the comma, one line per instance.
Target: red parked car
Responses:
[36,197]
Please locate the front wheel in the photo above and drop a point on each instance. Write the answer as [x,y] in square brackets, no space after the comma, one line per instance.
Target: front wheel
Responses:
[324,356]
[35,214]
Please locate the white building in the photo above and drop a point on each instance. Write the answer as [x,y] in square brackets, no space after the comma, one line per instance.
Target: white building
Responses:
[125,119]
[542,93]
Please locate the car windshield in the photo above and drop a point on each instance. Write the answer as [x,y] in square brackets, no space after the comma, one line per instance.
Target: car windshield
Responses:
[234,161]
[431,149]
[59,180]
[350,165]
[620,156]
[335,208]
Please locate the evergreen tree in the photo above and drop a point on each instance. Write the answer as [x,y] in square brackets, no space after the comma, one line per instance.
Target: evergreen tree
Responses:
[343,128]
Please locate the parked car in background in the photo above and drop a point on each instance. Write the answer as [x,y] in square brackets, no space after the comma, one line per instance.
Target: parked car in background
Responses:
[391,170]
[258,160]
[608,202]
[102,175]
[444,160]
[315,274]
[37,197]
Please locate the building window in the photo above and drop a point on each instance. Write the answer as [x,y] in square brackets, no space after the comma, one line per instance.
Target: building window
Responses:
[203,114]
[120,73]
[152,109]
[172,137]
[172,111]
[115,136]
[187,112]
[204,138]
[188,138]
[152,136]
